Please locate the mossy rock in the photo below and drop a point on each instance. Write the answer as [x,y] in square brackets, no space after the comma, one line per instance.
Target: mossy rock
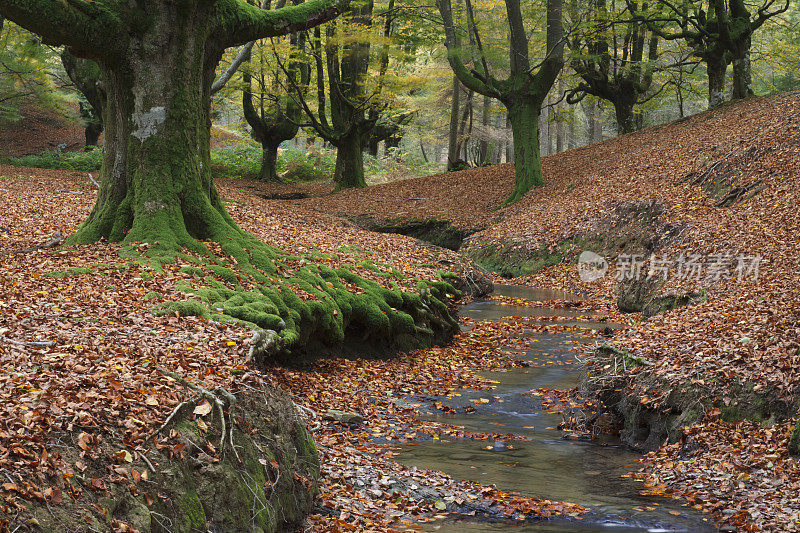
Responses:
[271,487]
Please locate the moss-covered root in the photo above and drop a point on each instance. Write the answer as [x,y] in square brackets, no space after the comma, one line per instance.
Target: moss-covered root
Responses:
[271,486]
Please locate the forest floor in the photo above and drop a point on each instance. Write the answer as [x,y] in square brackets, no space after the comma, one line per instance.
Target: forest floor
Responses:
[744,333]
[727,184]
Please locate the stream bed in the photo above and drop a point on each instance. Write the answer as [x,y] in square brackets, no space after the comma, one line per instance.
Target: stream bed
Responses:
[546,466]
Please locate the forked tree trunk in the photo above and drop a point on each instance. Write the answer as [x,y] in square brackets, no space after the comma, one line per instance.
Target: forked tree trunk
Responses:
[156,175]
[524,114]
[349,171]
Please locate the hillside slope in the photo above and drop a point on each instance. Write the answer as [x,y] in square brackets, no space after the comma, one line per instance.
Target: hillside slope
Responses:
[719,189]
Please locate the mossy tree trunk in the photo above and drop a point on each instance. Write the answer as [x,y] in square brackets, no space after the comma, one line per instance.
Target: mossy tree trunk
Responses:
[742,75]
[626,119]
[716,82]
[157,68]
[349,171]
[524,114]
[523,91]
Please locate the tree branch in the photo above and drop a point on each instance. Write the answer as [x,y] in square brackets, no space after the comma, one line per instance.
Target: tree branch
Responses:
[90,29]
[242,23]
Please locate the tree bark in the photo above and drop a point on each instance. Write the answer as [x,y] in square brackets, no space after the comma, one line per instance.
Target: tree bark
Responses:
[483,152]
[527,159]
[626,120]
[716,82]
[269,161]
[349,172]
[742,77]
[452,139]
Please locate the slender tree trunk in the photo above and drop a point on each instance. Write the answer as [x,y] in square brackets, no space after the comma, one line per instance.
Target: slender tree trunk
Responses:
[269,161]
[560,123]
[571,129]
[716,82]
[452,139]
[484,146]
[463,133]
[742,77]
[349,171]
[510,143]
[524,116]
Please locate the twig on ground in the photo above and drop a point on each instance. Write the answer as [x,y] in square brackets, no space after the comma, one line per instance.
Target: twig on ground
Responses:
[94,180]
[33,344]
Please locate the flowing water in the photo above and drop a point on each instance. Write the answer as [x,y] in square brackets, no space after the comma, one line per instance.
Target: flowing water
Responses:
[545,466]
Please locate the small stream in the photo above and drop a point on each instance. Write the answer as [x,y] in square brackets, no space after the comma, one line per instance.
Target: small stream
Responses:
[546,466]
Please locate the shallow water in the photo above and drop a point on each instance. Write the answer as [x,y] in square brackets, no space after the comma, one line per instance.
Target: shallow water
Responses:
[546,466]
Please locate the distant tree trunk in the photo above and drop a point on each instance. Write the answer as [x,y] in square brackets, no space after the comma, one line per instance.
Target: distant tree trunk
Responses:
[560,123]
[92,133]
[571,130]
[269,161]
[466,120]
[85,74]
[484,146]
[452,140]
[349,171]
[372,147]
[626,120]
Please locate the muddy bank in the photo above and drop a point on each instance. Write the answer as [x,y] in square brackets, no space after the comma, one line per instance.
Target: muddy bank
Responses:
[653,411]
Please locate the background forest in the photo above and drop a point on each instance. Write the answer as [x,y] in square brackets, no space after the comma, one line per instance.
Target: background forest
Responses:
[375,85]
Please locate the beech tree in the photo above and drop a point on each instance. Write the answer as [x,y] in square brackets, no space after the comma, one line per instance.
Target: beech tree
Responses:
[157,60]
[525,88]
[341,117]
[615,57]
[270,110]
[719,32]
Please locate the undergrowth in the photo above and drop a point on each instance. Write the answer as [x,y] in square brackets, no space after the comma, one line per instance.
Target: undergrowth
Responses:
[243,160]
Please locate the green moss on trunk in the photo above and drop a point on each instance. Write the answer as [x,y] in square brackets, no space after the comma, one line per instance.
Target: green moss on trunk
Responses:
[524,116]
